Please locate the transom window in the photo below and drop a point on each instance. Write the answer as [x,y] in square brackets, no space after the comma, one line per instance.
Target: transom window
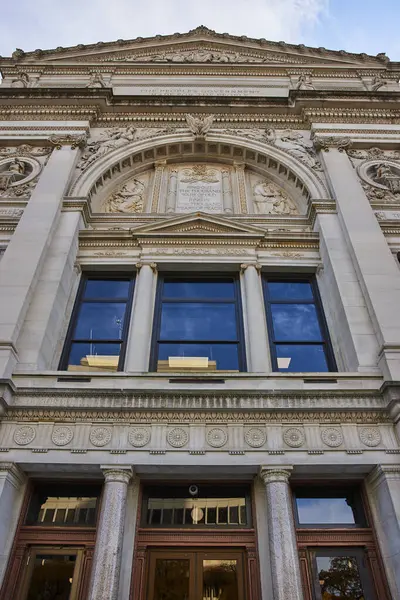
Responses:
[297,331]
[196,506]
[63,505]
[198,325]
[97,334]
[329,507]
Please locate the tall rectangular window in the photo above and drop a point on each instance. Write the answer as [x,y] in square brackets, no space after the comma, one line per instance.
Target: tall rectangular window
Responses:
[96,339]
[296,326]
[198,320]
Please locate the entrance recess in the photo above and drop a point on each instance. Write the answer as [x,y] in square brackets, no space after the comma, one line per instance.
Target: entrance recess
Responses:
[195,575]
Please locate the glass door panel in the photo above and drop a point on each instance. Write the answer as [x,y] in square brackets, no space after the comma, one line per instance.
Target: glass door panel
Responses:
[220,579]
[195,575]
[340,574]
[52,574]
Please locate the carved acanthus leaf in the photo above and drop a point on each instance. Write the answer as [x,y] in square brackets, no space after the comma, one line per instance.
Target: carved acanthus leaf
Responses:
[75,141]
[326,142]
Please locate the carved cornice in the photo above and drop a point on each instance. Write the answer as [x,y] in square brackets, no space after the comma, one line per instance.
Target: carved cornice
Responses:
[13,473]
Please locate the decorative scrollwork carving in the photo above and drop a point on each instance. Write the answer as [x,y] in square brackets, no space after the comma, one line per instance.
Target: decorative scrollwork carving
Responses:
[370,436]
[294,437]
[139,436]
[217,437]
[177,437]
[100,436]
[332,436]
[24,435]
[62,435]
[255,437]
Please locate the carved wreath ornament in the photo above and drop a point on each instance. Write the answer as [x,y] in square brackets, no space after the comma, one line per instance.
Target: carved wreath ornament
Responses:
[24,435]
[294,437]
[370,436]
[100,436]
[255,437]
[217,437]
[139,436]
[62,435]
[177,437]
[332,436]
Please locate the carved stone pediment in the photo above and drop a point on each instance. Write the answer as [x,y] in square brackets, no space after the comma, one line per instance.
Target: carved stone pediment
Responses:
[198,224]
[200,45]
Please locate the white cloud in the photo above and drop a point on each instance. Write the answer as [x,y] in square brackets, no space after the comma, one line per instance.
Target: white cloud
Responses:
[50,23]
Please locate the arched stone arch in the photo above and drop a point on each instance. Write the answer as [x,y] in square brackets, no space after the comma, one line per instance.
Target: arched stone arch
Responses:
[284,169]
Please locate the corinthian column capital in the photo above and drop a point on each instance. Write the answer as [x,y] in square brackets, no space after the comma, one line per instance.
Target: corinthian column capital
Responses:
[116,474]
[279,474]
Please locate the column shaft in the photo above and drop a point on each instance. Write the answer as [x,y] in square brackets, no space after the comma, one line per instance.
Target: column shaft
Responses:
[12,488]
[255,321]
[23,260]
[139,339]
[172,187]
[285,565]
[227,192]
[46,314]
[110,529]
[378,274]
[353,335]
[383,489]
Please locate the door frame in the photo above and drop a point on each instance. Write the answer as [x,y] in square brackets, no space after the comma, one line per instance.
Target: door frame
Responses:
[35,550]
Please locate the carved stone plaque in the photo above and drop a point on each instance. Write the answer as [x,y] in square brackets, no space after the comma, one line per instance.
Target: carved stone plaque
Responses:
[199,189]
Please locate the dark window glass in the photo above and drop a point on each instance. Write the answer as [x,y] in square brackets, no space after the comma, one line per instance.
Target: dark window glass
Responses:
[297,332]
[98,330]
[322,507]
[73,505]
[52,576]
[198,319]
[173,506]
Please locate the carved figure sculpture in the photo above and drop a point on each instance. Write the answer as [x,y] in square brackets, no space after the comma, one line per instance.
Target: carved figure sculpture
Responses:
[109,140]
[96,81]
[127,199]
[21,81]
[14,171]
[378,82]
[387,176]
[304,82]
[199,127]
[268,200]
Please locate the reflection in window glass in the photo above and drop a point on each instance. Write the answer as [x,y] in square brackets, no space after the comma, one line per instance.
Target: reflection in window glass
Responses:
[332,511]
[298,342]
[198,326]
[52,577]
[98,333]
[339,578]
[220,580]
[196,511]
[50,506]
[171,579]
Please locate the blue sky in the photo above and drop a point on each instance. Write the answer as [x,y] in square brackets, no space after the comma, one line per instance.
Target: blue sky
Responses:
[369,26]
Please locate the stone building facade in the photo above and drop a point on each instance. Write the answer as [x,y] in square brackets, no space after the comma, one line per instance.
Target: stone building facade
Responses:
[199,322]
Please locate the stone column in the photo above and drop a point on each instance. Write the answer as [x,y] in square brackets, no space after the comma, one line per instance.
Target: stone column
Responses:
[12,487]
[172,187]
[255,320]
[110,529]
[285,564]
[159,171]
[377,272]
[140,330]
[21,265]
[383,489]
[227,197]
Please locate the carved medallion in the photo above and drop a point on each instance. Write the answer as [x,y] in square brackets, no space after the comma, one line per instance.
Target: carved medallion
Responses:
[100,436]
[294,437]
[177,437]
[139,436]
[332,436]
[255,437]
[217,437]
[24,435]
[62,435]
[370,436]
